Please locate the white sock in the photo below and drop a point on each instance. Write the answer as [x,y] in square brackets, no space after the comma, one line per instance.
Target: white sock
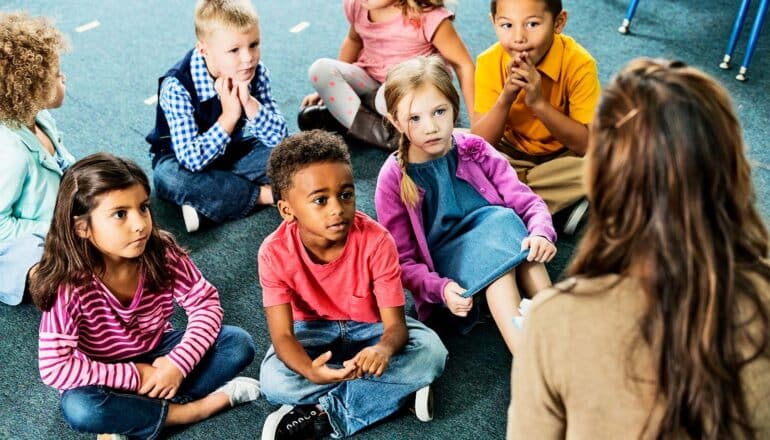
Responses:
[240,390]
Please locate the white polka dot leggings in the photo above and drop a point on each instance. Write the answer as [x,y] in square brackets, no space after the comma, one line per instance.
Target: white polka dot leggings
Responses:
[340,85]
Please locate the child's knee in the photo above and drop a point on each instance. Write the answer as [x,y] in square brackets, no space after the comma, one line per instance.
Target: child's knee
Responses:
[429,352]
[321,68]
[83,411]
[240,344]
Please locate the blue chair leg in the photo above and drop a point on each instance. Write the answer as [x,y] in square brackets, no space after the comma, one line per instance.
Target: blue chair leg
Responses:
[623,29]
[753,39]
[737,27]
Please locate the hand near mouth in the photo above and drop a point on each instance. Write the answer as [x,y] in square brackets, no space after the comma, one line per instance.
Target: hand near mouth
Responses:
[249,103]
[526,76]
[511,88]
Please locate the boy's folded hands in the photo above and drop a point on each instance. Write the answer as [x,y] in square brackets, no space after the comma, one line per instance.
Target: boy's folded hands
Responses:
[524,74]
[228,97]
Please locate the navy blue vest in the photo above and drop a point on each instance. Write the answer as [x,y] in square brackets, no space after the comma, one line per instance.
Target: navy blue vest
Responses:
[205,113]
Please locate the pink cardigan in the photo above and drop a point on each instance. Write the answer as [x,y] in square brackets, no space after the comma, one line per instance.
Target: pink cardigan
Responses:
[489,173]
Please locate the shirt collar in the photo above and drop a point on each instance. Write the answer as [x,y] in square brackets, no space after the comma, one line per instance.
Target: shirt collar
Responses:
[204,83]
[550,65]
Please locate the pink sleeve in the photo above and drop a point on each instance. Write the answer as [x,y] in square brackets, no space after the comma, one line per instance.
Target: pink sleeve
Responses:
[518,196]
[62,365]
[432,19]
[351,10]
[200,301]
[386,273]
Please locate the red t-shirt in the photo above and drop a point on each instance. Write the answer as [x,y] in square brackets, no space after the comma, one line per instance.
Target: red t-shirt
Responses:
[365,277]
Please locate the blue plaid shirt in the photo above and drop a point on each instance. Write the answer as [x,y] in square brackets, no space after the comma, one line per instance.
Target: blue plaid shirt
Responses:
[195,151]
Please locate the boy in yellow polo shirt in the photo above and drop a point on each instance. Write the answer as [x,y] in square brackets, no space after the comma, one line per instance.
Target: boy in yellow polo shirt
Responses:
[536,91]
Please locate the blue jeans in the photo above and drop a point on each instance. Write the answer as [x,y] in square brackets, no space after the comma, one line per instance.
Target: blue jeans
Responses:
[99,409]
[226,189]
[355,404]
[16,257]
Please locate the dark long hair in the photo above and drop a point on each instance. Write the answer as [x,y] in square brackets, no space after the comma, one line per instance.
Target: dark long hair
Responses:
[70,259]
[672,206]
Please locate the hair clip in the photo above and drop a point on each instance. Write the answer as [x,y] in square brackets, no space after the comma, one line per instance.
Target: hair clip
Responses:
[625,118]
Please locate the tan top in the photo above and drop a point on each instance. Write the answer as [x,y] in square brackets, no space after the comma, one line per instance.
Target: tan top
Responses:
[574,378]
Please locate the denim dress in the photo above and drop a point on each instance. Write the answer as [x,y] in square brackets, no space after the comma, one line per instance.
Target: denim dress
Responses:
[470,241]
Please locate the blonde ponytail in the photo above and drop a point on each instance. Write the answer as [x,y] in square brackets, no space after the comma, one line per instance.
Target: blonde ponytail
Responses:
[409,192]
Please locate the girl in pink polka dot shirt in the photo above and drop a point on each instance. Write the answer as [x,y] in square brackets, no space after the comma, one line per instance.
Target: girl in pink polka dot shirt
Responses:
[382,34]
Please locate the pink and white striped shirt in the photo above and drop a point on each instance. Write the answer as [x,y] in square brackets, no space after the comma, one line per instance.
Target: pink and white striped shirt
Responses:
[88,334]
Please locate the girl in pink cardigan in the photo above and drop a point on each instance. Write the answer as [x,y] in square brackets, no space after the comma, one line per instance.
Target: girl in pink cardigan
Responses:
[462,221]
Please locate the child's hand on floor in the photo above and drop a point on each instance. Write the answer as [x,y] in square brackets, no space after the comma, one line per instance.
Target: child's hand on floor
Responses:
[321,374]
[160,380]
[541,250]
[457,304]
[227,90]
[371,360]
[526,76]
[249,103]
[311,99]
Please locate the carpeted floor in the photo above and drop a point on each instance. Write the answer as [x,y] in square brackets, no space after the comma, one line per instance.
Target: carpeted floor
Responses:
[112,69]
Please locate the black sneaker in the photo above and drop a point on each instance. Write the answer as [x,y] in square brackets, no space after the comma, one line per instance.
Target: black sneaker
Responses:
[318,117]
[296,422]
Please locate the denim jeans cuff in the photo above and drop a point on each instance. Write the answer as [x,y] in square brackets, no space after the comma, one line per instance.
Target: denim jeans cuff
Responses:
[326,404]
[161,420]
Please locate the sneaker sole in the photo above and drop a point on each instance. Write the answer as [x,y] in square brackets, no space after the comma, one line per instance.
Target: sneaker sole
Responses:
[191,219]
[573,221]
[271,422]
[423,404]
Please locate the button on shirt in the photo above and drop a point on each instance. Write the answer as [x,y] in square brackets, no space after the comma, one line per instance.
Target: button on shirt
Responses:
[196,150]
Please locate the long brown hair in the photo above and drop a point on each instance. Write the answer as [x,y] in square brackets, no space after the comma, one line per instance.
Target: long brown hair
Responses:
[672,206]
[69,259]
[403,80]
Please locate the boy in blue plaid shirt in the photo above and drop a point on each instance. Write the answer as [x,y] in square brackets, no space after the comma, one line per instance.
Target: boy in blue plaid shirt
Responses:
[216,120]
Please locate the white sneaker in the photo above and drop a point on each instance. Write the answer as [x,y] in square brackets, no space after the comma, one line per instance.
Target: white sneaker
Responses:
[423,404]
[240,390]
[524,306]
[191,219]
[575,217]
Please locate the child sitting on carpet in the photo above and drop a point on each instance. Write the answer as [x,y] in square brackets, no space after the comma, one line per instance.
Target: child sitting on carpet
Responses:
[33,155]
[216,120]
[382,34]
[455,207]
[106,284]
[344,356]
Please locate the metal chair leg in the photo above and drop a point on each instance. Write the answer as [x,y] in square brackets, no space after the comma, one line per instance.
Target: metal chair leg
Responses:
[623,29]
[753,39]
[737,27]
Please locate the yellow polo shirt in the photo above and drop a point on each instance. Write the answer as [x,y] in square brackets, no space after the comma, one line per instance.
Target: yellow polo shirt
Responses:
[570,82]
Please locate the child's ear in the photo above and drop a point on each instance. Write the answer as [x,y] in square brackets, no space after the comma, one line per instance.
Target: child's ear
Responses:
[201,46]
[81,228]
[284,209]
[560,22]
[394,122]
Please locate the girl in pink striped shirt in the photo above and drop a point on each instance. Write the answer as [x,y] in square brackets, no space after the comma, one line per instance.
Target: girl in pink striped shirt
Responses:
[106,285]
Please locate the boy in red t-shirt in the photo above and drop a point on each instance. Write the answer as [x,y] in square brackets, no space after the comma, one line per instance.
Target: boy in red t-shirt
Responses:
[344,355]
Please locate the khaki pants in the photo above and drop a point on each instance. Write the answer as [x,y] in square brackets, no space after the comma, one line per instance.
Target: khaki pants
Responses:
[557,177]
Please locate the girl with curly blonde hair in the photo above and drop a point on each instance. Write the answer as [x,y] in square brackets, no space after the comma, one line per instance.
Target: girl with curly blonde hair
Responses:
[34,157]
